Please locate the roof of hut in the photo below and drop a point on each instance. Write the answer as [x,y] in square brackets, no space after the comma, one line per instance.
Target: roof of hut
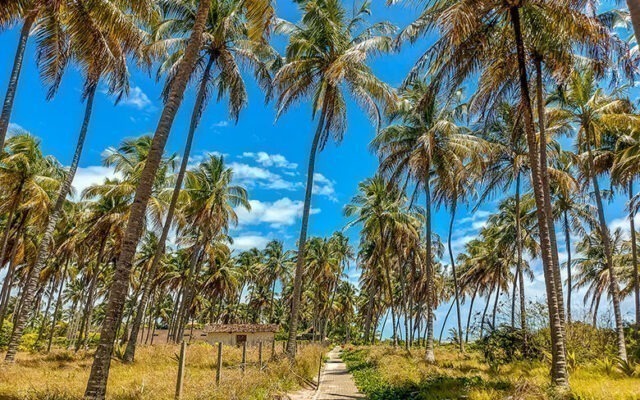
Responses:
[240,328]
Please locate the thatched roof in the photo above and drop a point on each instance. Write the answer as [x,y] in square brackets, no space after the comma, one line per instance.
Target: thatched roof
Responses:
[240,328]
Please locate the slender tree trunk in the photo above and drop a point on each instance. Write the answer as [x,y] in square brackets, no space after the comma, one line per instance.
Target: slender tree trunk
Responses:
[91,293]
[130,351]
[513,297]
[5,295]
[430,356]
[520,269]
[46,314]
[455,276]
[495,305]
[544,173]
[297,280]
[47,237]
[606,241]
[97,384]
[473,298]
[369,317]
[15,77]
[7,229]
[567,239]
[444,323]
[634,248]
[559,369]
[273,296]
[484,312]
[56,309]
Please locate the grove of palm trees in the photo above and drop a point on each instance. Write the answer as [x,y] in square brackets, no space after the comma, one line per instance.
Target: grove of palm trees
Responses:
[446,189]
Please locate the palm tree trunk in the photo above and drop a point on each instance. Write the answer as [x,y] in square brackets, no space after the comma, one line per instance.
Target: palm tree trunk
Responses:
[297,280]
[544,172]
[495,305]
[5,294]
[559,369]
[634,252]
[15,76]
[523,313]
[473,298]
[56,309]
[430,356]
[7,229]
[47,237]
[606,241]
[91,293]
[130,351]
[634,12]
[513,296]
[455,276]
[273,296]
[567,239]
[369,317]
[97,384]
[46,314]
[444,323]
[484,312]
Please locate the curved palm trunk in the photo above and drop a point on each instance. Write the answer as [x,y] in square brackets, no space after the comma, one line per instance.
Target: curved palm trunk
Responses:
[455,276]
[297,280]
[495,305]
[15,77]
[513,296]
[606,241]
[47,237]
[130,351]
[634,11]
[97,384]
[6,286]
[430,356]
[484,312]
[444,323]
[559,369]
[523,311]
[634,255]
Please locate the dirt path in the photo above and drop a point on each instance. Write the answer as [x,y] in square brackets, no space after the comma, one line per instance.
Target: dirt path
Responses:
[336,383]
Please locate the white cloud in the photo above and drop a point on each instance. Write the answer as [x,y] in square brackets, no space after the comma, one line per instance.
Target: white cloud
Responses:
[269,160]
[14,127]
[323,186]
[251,176]
[220,124]
[87,176]
[282,212]
[137,98]
[246,242]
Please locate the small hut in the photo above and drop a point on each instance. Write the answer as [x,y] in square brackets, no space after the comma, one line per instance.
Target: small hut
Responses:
[236,334]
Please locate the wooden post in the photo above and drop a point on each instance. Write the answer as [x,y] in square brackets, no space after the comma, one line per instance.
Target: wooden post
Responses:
[283,347]
[219,366]
[273,349]
[181,361]
[244,356]
[319,372]
[260,356]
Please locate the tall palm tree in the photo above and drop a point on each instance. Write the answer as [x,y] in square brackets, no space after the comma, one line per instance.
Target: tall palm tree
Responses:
[277,266]
[426,141]
[594,114]
[326,55]
[100,36]
[97,383]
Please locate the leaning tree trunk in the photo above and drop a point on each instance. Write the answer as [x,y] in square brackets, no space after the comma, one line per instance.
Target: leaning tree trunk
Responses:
[455,276]
[297,280]
[544,174]
[47,237]
[634,255]
[473,299]
[429,356]
[130,351]
[523,312]
[56,309]
[559,368]
[97,384]
[15,76]
[614,289]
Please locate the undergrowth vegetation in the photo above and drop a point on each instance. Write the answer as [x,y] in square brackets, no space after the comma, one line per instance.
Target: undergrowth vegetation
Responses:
[385,373]
[62,375]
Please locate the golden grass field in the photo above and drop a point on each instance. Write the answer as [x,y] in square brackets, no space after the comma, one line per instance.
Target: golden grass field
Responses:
[385,373]
[63,374]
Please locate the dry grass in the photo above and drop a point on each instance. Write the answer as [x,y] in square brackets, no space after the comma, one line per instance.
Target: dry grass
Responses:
[63,374]
[385,373]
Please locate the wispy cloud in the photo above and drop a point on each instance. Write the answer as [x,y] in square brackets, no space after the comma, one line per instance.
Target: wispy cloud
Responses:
[251,176]
[220,124]
[246,242]
[137,99]
[323,186]
[91,175]
[270,160]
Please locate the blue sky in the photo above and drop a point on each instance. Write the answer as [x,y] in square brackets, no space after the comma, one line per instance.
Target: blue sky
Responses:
[268,157]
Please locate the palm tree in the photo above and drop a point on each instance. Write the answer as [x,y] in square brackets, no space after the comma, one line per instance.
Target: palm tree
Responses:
[594,114]
[97,383]
[99,39]
[427,141]
[326,55]
[277,266]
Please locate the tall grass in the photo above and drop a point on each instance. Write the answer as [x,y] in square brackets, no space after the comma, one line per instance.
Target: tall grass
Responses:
[62,375]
